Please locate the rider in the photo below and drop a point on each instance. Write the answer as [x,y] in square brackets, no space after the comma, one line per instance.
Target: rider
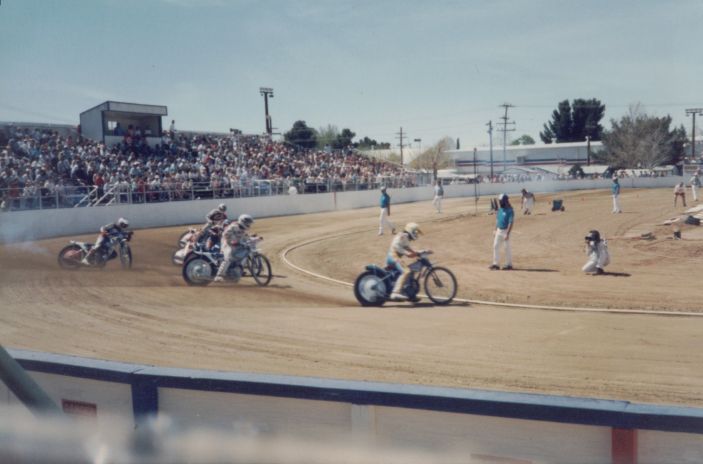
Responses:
[214,218]
[400,248]
[232,244]
[107,232]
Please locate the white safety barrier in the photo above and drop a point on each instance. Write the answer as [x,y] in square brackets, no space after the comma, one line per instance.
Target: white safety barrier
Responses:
[33,225]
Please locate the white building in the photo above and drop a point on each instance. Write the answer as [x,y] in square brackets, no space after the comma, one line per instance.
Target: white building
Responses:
[523,157]
[110,121]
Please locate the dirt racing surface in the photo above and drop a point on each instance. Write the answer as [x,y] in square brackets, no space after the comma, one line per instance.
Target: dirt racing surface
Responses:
[304,325]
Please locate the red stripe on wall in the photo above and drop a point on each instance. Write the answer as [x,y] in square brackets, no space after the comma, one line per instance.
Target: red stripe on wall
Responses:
[624,446]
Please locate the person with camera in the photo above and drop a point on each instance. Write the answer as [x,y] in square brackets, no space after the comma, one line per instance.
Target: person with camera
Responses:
[597,251]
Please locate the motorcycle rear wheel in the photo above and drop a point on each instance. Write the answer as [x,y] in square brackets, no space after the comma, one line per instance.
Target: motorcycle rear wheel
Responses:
[370,289]
[70,257]
[198,271]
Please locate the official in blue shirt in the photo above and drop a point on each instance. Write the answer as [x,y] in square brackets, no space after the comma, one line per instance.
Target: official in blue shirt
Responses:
[615,188]
[385,212]
[504,225]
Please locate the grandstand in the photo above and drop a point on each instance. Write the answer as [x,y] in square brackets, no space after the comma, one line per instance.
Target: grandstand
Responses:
[41,168]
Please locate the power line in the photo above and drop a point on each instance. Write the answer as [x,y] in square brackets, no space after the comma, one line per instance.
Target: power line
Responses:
[399,135]
[505,123]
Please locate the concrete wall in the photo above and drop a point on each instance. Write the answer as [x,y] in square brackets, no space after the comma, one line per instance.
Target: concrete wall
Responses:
[31,225]
[490,425]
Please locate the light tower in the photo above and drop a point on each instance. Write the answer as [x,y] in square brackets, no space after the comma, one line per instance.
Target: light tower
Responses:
[267,92]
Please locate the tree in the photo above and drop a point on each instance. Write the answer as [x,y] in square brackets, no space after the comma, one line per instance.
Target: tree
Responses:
[572,123]
[344,139]
[301,135]
[523,140]
[366,143]
[642,141]
[434,158]
[326,136]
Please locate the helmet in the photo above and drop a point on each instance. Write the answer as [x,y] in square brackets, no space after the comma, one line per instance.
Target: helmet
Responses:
[593,236]
[503,200]
[383,188]
[413,230]
[245,220]
[222,207]
[122,223]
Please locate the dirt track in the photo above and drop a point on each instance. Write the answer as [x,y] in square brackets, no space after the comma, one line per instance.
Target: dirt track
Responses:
[301,325]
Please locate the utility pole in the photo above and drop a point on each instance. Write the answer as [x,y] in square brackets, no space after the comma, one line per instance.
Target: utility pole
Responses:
[475,185]
[490,139]
[694,112]
[505,130]
[400,136]
[267,92]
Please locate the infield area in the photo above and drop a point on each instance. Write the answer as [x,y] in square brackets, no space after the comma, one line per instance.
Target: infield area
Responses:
[306,325]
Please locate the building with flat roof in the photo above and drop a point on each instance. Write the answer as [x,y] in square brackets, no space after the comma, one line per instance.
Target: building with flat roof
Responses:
[111,121]
[520,157]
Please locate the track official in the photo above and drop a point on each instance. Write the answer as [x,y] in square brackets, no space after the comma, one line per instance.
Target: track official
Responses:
[504,225]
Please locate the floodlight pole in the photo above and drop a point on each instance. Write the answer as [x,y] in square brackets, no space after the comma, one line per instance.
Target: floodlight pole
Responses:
[266,92]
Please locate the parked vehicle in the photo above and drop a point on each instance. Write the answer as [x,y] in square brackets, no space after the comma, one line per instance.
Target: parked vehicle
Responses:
[373,287]
[71,256]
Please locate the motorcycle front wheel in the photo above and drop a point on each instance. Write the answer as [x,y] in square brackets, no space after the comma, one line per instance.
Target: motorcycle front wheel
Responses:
[260,269]
[198,272]
[126,257]
[440,285]
[70,257]
[370,289]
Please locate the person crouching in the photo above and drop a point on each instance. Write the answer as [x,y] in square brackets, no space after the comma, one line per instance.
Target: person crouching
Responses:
[597,251]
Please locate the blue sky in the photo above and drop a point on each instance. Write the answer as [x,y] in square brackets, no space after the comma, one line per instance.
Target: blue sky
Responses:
[434,68]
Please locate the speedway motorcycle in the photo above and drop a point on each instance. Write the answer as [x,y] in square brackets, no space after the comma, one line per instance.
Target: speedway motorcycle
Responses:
[117,246]
[373,287]
[200,266]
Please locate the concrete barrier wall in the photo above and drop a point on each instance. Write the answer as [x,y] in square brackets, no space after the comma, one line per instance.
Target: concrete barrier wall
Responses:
[492,425]
[32,225]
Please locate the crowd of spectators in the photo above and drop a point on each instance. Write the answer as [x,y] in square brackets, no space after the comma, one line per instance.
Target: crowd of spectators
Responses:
[43,169]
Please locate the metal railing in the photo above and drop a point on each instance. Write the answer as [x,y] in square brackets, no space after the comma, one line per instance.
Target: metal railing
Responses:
[18,199]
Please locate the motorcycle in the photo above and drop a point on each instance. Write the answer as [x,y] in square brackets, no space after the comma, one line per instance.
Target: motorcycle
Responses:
[374,286]
[186,236]
[200,266]
[71,256]
[192,238]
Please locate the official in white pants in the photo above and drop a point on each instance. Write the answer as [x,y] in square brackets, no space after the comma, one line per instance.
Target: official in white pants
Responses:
[502,239]
[504,225]
[385,212]
[438,195]
[384,221]
[615,189]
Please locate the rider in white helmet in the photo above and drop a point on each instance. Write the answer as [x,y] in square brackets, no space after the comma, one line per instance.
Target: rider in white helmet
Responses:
[107,232]
[400,248]
[232,243]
